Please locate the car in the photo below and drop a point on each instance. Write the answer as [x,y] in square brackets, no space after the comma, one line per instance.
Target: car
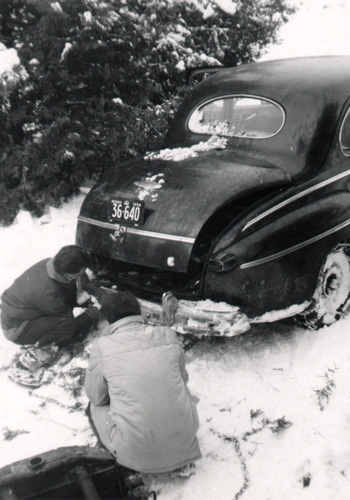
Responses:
[244,214]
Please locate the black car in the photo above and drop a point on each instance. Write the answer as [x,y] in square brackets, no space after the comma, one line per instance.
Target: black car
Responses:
[247,204]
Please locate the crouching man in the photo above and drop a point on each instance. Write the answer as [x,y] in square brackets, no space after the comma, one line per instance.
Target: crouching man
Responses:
[136,381]
[38,306]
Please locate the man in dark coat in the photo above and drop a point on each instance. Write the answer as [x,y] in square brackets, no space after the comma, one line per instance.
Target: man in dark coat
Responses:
[38,307]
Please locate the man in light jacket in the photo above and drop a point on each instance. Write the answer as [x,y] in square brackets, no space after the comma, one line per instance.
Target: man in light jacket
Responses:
[136,381]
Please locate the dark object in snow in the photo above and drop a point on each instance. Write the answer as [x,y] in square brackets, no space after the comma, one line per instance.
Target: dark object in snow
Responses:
[325,392]
[75,472]
[28,366]
[9,435]
[307,480]
[248,203]
[33,358]
[25,377]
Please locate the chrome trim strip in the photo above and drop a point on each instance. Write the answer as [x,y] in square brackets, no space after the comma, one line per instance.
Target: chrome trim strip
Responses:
[294,248]
[161,236]
[296,197]
[140,232]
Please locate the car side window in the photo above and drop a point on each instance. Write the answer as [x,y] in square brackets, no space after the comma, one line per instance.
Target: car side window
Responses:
[345,134]
[238,116]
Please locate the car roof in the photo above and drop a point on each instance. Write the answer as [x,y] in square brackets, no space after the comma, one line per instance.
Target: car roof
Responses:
[275,78]
[311,90]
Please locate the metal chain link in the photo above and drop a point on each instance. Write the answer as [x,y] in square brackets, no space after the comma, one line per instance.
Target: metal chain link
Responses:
[244,469]
[310,318]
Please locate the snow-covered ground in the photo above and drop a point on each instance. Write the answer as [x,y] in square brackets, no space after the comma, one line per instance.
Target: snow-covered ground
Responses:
[274,402]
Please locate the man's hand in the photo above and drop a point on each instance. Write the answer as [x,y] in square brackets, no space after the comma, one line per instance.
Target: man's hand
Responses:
[81,282]
[88,291]
[94,314]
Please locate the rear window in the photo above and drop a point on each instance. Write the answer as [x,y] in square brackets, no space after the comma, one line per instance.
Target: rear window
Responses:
[238,116]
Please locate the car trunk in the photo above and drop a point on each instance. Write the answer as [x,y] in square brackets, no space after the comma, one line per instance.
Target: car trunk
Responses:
[178,199]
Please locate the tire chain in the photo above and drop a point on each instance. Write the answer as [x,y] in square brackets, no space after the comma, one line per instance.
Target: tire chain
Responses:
[246,477]
[309,318]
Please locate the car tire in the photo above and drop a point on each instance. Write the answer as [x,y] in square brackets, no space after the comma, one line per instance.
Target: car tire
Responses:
[332,295]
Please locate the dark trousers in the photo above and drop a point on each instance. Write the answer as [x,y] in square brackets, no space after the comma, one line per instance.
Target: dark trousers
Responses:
[54,330]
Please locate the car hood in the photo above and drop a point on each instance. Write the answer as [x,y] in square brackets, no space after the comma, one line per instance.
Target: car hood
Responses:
[179,196]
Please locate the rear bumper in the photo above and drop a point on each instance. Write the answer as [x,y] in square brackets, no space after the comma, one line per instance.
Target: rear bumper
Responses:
[202,317]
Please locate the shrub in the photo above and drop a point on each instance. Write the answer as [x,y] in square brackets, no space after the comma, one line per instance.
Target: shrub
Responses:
[104,78]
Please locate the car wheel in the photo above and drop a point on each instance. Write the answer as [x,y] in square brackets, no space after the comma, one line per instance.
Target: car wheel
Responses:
[332,295]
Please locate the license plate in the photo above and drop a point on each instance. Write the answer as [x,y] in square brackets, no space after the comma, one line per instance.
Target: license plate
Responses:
[124,210]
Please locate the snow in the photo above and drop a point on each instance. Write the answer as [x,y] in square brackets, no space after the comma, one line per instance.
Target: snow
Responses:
[8,59]
[56,6]
[11,70]
[250,387]
[227,6]
[88,17]
[67,47]
[148,186]
[272,316]
[274,404]
[179,154]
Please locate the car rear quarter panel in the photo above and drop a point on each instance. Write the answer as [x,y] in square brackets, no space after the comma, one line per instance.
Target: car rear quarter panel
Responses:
[278,264]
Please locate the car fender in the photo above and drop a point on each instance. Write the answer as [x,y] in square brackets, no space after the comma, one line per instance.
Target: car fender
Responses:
[277,264]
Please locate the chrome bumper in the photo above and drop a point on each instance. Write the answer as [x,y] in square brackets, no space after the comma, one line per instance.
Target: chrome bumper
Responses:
[203,317]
